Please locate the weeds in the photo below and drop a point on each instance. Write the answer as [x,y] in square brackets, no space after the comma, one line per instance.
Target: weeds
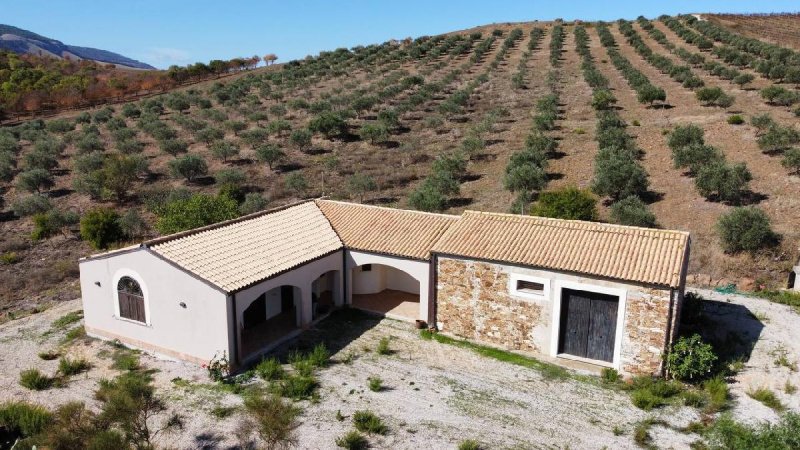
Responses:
[67,320]
[609,376]
[767,397]
[470,444]
[789,388]
[272,419]
[649,393]
[367,422]
[296,387]
[35,380]
[221,412]
[375,384]
[383,347]
[270,369]
[68,367]
[49,355]
[547,370]
[125,359]
[352,440]
[74,334]
[24,419]
[726,433]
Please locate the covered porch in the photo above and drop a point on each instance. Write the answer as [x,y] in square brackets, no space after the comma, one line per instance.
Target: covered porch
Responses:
[390,303]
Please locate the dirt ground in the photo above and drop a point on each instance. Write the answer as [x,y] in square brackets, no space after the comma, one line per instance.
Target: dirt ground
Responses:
[436,394]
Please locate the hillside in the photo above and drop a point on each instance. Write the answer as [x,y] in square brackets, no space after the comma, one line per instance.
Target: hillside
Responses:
[27,42]
[782,29]
[434,123]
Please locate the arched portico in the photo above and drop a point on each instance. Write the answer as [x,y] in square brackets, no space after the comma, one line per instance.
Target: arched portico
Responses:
[270,316]
[392,286]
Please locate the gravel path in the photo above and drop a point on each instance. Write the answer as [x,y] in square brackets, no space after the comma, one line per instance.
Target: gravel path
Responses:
[436,395]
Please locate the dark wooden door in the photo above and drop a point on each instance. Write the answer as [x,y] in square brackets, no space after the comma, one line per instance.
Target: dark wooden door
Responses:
[574,323]
[588,324]
[131,306]
[287,298]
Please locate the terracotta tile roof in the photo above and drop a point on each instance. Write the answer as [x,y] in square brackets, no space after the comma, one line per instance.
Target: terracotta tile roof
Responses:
[627,253]
[240,252]
[410,234]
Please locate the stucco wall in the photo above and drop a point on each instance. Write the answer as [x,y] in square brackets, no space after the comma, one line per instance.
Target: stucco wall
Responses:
[194,333]
[381,277]
[474,301]
[419,271]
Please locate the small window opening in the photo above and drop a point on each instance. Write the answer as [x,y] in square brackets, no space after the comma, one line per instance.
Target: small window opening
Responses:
[530,287]
[366,268]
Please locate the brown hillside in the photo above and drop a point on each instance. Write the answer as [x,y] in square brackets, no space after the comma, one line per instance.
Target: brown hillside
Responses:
[45,270]
[779,28]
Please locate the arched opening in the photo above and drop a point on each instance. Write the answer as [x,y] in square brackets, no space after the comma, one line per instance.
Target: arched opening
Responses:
[269,317]
[385,290]
[325,293]
[131,300]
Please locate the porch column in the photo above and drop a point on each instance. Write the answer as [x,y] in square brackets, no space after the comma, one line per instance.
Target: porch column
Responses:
[305,306]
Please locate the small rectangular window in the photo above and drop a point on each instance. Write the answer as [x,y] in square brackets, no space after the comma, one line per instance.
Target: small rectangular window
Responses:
[366,268]
[530,287]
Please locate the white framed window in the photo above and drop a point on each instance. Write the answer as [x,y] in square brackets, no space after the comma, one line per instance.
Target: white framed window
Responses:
[131,300]
[527,286]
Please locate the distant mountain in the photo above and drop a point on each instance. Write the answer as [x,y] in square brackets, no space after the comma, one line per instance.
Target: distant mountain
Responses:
[23,41]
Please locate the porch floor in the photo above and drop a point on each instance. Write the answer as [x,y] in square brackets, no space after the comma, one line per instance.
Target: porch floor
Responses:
[389,303]
[261,335]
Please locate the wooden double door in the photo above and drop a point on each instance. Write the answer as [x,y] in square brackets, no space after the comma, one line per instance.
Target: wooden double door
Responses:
[588,324]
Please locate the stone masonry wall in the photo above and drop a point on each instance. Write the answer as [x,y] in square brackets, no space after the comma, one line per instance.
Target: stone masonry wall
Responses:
[473,302]
[647,322]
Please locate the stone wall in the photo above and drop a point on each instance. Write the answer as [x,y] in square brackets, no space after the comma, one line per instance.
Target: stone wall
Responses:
[473,302]
[647,326]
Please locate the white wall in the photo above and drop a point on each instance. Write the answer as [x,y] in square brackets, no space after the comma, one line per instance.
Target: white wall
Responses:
[378,280]
[797,278]
[194,333]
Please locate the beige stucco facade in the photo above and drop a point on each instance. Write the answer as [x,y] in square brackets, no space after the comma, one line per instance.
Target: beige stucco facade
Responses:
[476,300]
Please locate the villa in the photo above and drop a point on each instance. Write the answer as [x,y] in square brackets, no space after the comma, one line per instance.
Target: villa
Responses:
[605,295]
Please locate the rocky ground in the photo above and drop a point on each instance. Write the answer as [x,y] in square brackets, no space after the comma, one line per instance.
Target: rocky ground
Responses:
[435,395]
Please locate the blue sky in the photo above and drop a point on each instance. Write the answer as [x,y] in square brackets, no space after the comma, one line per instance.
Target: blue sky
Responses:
[165,32]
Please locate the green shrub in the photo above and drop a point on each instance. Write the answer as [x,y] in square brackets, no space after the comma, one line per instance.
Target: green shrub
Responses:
[270,369]
[329,123]
[100,227]
[67,320]
[618,175]
[297,387]
[610,376]
[717,391]
[684,135]
[196,211]
[791,160]
[690,359]
[695,156]
[603,99]
[274,420]
[35,180]
[188,166]
[224,150]
[51,222]
[367,422]
[375,384]
[319,356]
[374,132]
[69,367]
[634,212]
[649,393]
[30,205]
[35,380]
[567,203]
[470,444]
[745,229]
[24,418]
[352,440]
[383,347]
[253,202]
[735,119]
[727,182]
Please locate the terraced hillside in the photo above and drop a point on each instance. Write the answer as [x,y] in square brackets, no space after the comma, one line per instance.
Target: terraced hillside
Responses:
[488,119]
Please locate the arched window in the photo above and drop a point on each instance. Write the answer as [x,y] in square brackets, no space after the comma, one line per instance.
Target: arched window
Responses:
[131,300]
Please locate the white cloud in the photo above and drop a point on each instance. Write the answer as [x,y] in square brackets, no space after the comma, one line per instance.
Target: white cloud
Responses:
[163,56]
